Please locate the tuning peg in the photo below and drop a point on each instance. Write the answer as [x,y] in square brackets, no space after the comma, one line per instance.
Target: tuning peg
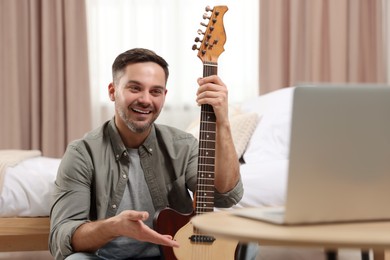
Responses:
[203,24]
[194,47]
[208,9]
[197,39]
[200,32]
[205,16]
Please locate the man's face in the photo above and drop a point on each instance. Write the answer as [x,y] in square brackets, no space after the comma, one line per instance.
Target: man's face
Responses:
[139,95]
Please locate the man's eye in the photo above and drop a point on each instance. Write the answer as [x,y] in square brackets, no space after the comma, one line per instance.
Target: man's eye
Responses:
[157,91]
[134,88]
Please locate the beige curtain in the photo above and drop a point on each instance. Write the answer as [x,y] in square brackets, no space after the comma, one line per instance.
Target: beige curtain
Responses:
[44,78]
[320,40]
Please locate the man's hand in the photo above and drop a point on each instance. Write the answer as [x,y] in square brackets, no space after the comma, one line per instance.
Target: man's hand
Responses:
[93,235]
[130,223]
[214,92]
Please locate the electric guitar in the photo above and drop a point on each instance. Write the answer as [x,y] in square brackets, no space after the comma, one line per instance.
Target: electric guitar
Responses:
[193,244]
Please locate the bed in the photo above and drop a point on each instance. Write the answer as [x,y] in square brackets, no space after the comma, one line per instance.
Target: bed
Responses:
[260,129]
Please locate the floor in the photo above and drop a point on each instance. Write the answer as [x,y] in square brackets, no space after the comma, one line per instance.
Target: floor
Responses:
[284,253]
[34,255]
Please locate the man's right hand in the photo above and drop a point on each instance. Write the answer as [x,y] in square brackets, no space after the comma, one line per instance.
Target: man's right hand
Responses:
[130,223]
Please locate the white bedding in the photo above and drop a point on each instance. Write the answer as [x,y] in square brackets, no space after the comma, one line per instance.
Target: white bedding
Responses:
[27,187]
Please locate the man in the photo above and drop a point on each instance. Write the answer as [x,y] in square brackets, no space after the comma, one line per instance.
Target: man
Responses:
[111,182]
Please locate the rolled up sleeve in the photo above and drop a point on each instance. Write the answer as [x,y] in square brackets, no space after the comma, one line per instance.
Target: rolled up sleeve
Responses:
[71,206]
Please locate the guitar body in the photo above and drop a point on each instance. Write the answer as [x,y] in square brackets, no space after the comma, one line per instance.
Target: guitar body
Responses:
[169,221]
[195,245]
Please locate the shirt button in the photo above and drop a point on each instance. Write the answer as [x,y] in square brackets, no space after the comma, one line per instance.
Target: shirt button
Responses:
[117,156]
[125,154]
[114,206]
[150,150]
[124,176]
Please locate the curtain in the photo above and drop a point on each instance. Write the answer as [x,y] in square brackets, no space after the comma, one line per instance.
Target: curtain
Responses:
[320,41]
[44,77]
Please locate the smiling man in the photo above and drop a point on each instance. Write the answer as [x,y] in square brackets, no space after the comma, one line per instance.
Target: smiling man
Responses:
[110,183]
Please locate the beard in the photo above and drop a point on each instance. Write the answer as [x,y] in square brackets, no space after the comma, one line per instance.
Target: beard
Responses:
[133,125]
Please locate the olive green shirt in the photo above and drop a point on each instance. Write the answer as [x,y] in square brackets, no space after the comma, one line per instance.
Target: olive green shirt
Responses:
[93,174]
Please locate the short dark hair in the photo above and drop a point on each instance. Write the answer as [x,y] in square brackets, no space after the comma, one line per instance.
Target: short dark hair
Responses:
[137,55]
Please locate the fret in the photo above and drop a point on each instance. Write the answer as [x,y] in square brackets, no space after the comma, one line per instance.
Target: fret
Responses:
[206,186]
[206,203]
[208,166]
[208,130]
[205,139]
[206,157]
[206,178]
[208,193]
[207,149]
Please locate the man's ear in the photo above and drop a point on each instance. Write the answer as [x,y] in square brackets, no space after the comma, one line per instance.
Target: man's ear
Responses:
[111,91]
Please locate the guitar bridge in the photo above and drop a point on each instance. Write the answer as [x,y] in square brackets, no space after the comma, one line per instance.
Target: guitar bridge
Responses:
[201,239]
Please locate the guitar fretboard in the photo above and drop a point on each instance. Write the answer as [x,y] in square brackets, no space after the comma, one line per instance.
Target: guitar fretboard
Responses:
[206,157]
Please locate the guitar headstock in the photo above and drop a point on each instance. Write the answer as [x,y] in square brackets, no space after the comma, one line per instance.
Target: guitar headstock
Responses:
[214,37]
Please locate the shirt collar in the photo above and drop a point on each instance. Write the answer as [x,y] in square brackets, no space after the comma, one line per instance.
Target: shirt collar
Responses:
[119,147]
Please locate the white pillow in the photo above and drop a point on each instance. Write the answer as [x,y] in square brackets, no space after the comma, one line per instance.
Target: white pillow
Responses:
[242,127]
[271,138]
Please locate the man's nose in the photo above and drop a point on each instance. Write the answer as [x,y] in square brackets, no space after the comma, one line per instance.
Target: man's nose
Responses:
[145,97]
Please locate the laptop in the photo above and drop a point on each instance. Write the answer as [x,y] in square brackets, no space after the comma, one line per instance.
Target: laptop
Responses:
[339,157]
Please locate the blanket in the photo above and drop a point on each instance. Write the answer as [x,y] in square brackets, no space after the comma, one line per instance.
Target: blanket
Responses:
[9,158]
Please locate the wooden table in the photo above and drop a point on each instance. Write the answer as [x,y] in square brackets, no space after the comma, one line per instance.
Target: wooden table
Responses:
[24,234]
[367,235]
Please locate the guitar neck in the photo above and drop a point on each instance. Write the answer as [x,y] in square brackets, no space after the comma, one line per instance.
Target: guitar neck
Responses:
[206,157]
